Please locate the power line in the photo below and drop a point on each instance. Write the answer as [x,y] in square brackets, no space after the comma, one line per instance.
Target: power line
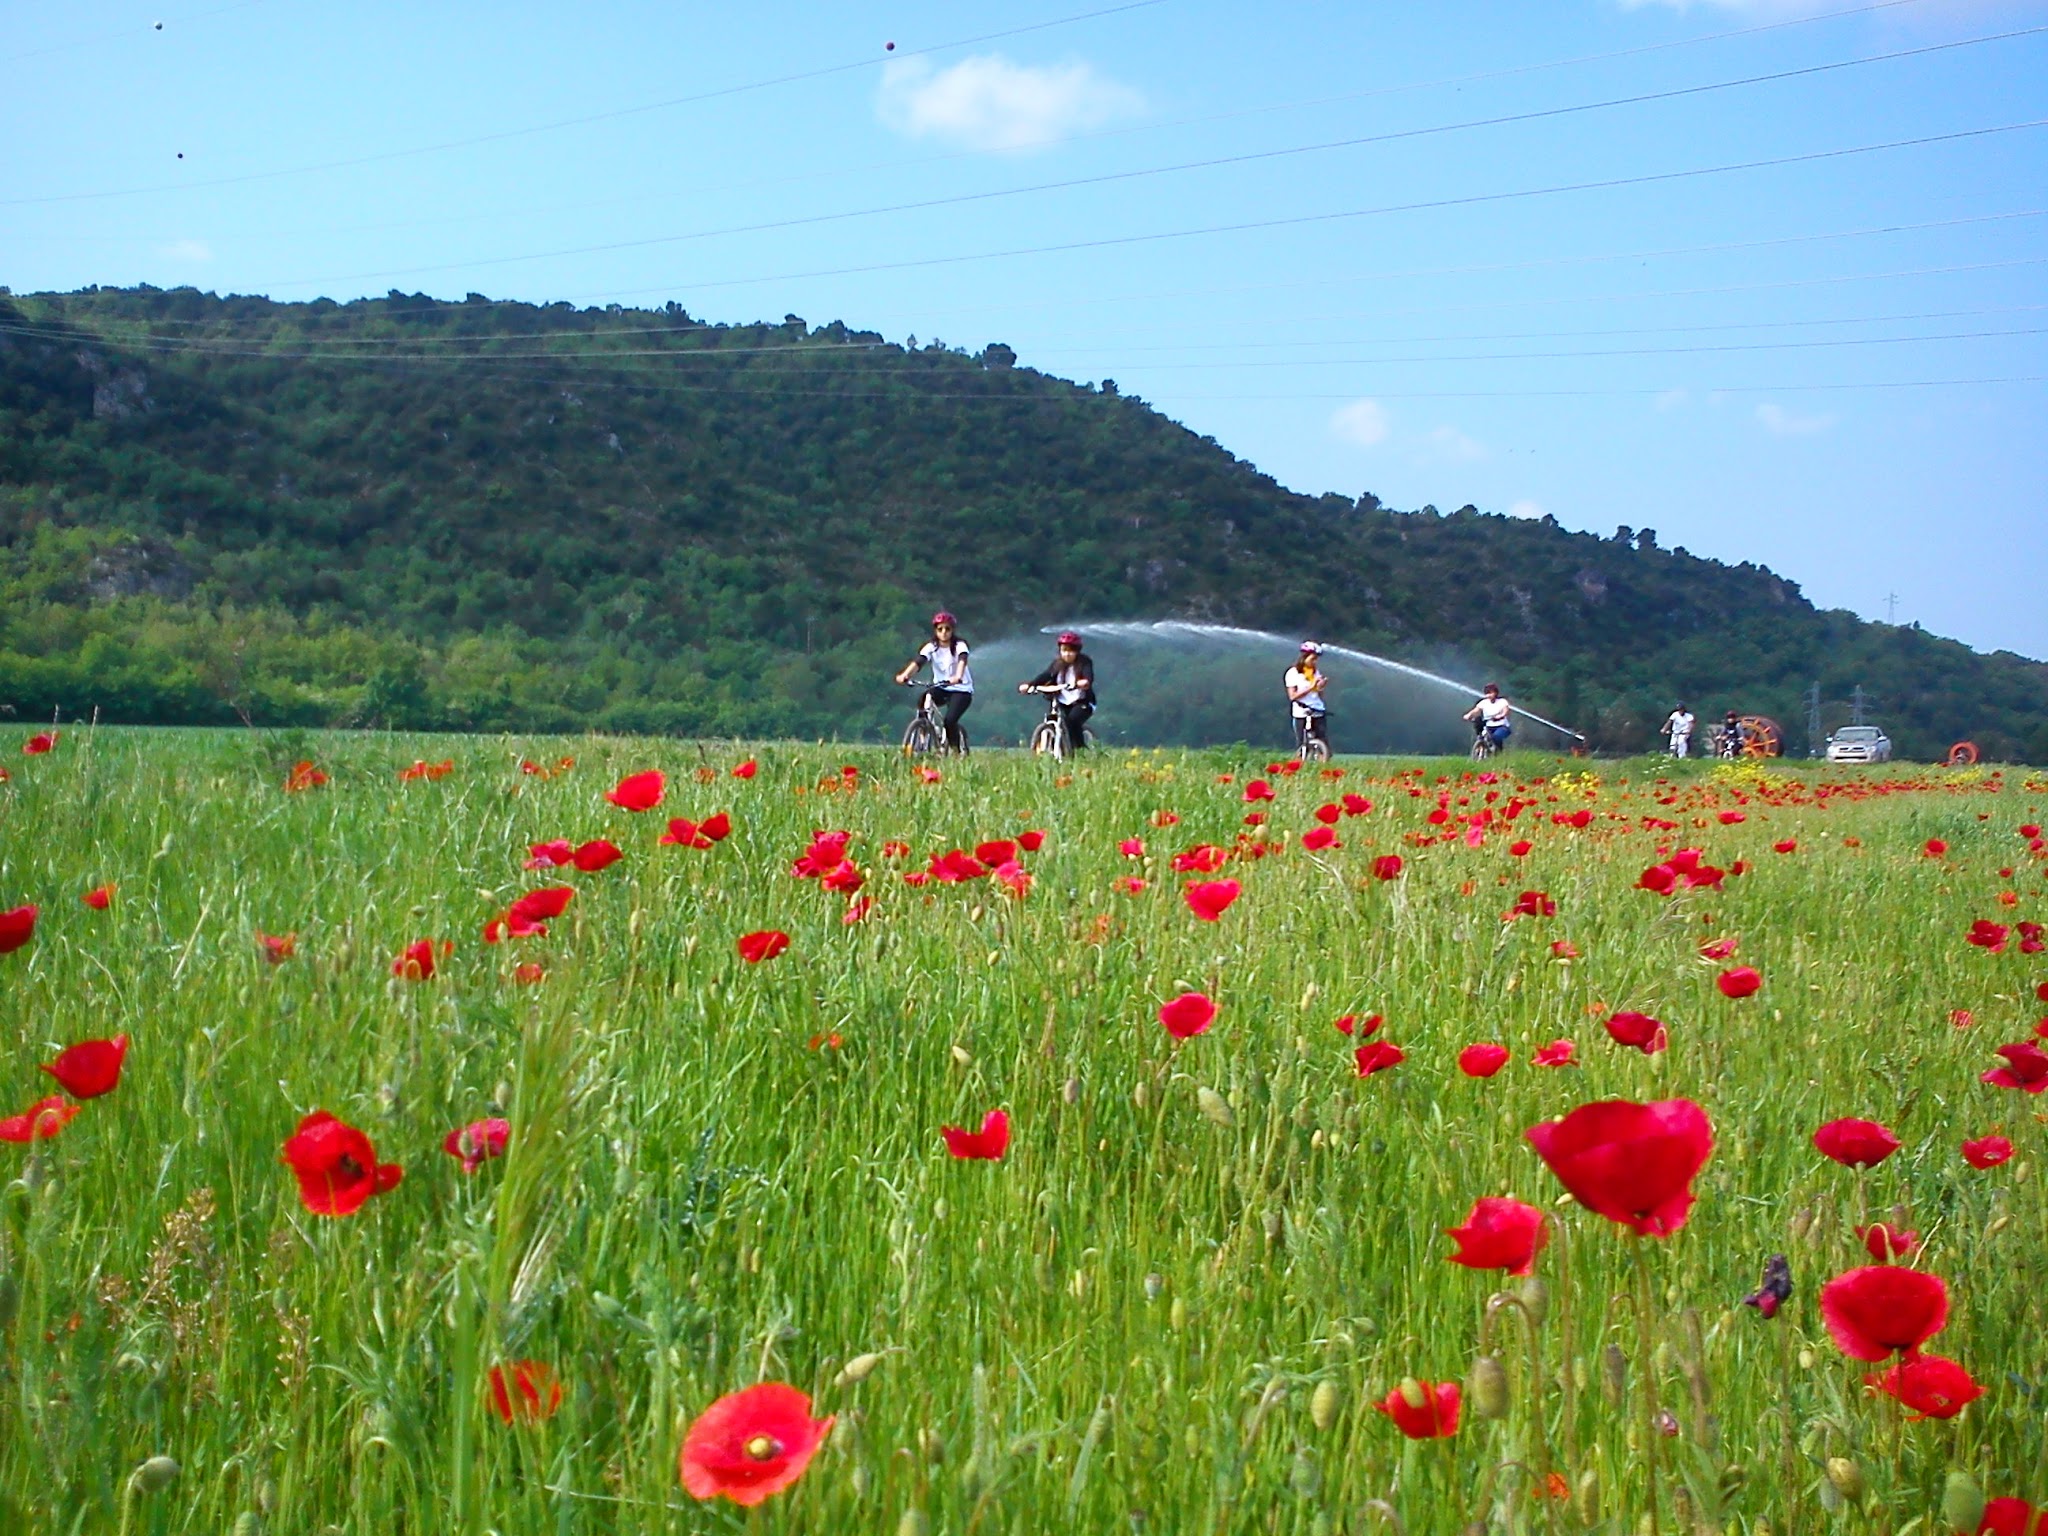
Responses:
[1108,178]
[126,35]
[595,117]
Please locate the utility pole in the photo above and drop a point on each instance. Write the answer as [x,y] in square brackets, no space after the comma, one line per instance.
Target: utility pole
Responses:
[1813,728]
[1857,704]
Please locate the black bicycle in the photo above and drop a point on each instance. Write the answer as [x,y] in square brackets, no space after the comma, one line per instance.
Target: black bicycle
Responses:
[925,736]
[1311,745]
[1050,739]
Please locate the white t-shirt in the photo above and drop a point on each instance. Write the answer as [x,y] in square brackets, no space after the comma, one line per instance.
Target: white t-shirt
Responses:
[1494,712]
[949,665]
[1680,723]
[1309,703]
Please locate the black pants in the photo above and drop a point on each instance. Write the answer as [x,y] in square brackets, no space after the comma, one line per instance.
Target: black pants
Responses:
[1076,716]
[951,703]
[1317,725]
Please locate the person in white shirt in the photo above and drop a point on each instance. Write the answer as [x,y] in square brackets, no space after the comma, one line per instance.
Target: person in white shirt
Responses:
[1305,683]
[952,687]
[1679,728]
[1490,717]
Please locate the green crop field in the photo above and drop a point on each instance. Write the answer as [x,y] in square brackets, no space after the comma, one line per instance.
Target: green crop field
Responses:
[1177,1301]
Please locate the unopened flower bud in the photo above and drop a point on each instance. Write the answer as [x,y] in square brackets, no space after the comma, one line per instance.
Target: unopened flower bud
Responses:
[1613,1374]
[1847,1479]
[1486,1388]
[154,1475]
[1962,1503]
[1412,1393]
[856,1370]
[1536,1299]
[1070,1090]
[1214,1107]
[1322,1406]
[1586,1498]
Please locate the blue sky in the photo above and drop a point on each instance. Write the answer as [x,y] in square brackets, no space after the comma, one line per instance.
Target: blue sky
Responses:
[1832,367]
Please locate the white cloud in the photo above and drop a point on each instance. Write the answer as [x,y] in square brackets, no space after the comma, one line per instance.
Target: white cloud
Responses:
[186,250]
[1779,422]
[1363,422]
[1527,508]
[987,102]
[1449,443]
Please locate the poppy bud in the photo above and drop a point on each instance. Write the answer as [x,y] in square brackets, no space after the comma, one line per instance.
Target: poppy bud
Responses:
[1614,1374]
[1412,1393]
[1139,1096]
[933,1444]
[856,1370]
[248,1523]
[1962,1502]
[1154,1284]
[1276,1227]
[1536,1299]
[1305,1477]
[1486,1389]
[1846,1478]
[862,1480]
[961,1056]
[1070,1091]
[1800,1224]
[1322,1407]
[1586,1498]
[154,1475]
[501,1097]
[1667,1424]
[1214,1107]
[1177,1315]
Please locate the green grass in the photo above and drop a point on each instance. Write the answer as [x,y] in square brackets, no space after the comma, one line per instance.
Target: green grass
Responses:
[1124,1326]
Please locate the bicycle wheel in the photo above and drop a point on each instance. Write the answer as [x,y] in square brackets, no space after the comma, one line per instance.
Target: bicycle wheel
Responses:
[959,748]
[1314,749]
[918,738]
[1049,740]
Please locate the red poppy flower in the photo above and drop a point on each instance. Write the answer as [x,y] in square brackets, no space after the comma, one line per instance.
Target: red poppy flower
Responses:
[1520,848]
[1387,867]
[1329,814]
[1933,1387]
[416,961]
[1986,934]
[1871,1312]
[1638,1030]
[1356,805]
[1210,899]
[89,1068]
[1732,818]
[1258,789]
[1482,1060]
[845,879]
[278,947]
[529,973]
[2026,1068]
[1202,859]
[1532,904]
[1002,850]
[1031,842]
[1013,877]
[987,1144]
[1886,1242]
[304,776]
[1130,885]
[751,1444]
[2012,1517]
[639,791]
[549,855]
[99,898]
[1165,818]
[1316,839]
[1718,949]
[1741,981]
[39,743]
[595,855]
[764,945]
[1500,1234]
[525,1391]
[746,770]
[1365,1028]
[337,1168]
[683,833]
[1789,845]
[1855,1143]
[40,1121]
[1564,949]
[1632,1163]
[1935,847]
[477,1142]
[1423,1410]
[1661,879]
[1378,1056]
[857,910]
[17,928]
[1187,1015]
[1987,1151]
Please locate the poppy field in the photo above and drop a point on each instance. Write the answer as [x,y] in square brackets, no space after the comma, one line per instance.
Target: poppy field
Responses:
[460,1135]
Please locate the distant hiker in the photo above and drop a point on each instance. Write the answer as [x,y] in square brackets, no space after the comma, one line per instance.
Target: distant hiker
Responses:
[1679,728]
[1305,684]
[1490,720]
[952,689]
[1071,679]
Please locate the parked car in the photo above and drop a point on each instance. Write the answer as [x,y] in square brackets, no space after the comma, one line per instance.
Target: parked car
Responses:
[1859,744]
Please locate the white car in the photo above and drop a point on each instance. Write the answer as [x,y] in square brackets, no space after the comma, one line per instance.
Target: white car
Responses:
[1859,744]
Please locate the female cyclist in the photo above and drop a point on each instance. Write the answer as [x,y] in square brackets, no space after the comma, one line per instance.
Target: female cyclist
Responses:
[952,688]
[1490,718]
[1305,684]
[1071,678]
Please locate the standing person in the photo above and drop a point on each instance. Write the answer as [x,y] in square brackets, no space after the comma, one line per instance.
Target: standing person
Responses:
[1490,717]
[1071,678]
[1678,726]
[1305,683]
[952,687]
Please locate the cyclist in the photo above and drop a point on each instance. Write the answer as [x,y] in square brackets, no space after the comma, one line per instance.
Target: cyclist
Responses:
[1490,717]
[952,687]
[1678,726]
[1071,679]
[1305,684]
[1732,734]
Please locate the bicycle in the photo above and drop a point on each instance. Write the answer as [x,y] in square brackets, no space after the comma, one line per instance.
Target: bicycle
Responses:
[1484,743]
[1050,738]
[926,734]
[1310,745]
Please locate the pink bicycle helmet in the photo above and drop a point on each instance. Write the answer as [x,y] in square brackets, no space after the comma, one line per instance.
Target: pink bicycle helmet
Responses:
[1068,637]
[943,616]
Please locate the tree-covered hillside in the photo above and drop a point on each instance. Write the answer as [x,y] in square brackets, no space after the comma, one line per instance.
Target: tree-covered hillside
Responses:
[494,515]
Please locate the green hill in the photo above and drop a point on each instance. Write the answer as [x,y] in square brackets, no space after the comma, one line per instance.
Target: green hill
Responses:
[488,515]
